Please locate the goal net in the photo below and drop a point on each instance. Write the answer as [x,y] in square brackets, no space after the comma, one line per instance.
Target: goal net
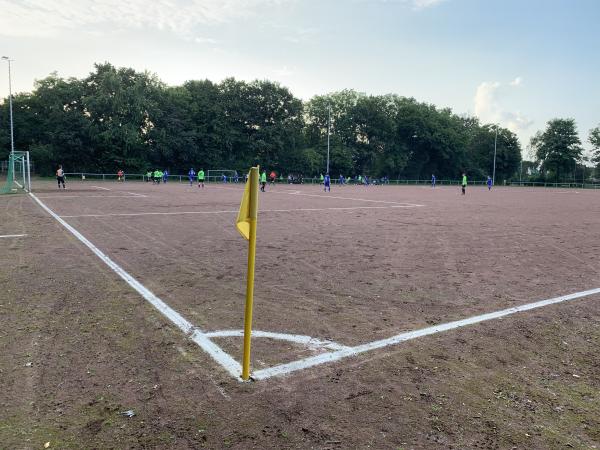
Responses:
[222,175]
[18,174]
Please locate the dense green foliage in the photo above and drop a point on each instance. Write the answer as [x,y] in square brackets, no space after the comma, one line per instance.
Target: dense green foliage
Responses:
[595,141]
[119,118]
[558,148]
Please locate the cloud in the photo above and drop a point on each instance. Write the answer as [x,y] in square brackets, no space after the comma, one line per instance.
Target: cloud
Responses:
[422,4]
[283,72]
[489,107]
[516,82]
[301,35]
[416,4]
[204,40]
[41,18]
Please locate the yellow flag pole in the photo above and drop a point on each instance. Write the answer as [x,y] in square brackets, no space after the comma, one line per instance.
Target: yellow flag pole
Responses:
[253,180]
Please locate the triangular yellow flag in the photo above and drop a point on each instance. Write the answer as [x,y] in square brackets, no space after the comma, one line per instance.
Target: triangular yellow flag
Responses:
[243,219]
[245,214]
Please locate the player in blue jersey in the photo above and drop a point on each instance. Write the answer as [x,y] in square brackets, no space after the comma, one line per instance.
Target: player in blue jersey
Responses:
[327,183]
[432,180]
[489,183]
[191,176]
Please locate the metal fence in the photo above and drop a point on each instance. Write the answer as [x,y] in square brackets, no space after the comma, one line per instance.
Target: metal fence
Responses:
[86,176]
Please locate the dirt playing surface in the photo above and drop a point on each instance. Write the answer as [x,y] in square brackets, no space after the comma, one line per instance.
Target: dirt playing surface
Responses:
[78,346]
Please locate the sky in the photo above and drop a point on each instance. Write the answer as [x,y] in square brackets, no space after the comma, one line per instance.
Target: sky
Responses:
[518,63]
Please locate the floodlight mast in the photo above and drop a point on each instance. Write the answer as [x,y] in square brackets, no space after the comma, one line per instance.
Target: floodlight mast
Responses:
[495,147]
[12,136]
[328,132]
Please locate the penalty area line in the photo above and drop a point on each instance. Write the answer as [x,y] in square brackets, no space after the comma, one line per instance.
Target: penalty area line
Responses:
[342,208]
[323,358]
[12,235]
[217,353]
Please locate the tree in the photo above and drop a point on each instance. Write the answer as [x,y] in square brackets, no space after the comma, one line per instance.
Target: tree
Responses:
[595,141]
[558,147]
[119,118]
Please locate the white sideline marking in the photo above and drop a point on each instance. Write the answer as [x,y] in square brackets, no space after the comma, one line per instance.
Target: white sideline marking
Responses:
[308,341]
[217,353]
[283,369]
[232,211]
[100,187]
[136,194]
[12,235]
[340,351]
[90,196]
[324,195]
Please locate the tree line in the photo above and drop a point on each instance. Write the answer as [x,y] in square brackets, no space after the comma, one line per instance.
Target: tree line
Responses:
[118,118]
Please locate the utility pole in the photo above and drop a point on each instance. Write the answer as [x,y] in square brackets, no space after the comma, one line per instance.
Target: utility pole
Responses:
[495,148]
[328,133]
[521,173]
[12,136]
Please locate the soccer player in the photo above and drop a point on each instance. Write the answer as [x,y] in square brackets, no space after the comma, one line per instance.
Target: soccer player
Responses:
[327,183]
[200,178]
[489,183]
[464,183]
[432,180]
[263,181]
[148,176]
[192,175]
[60,177]
[120,175]
[272,176]
[165,176]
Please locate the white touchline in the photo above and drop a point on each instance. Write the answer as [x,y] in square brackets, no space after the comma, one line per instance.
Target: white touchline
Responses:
[217,353]
[340,351]
[90,196]
[100,187]
[347,208]
[302,339]
[12,235]
[326,196]
[283,369]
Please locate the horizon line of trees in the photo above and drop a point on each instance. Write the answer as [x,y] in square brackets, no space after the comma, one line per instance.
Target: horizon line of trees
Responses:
[117,118]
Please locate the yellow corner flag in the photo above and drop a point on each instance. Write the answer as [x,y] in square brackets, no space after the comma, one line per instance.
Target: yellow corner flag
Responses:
[245,214]
[246,225]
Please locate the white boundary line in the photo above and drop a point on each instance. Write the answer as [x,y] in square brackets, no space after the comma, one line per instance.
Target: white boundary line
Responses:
[229,364]
[100,187]
[283,369]
[232,211]
[91,196]
[325,195]
[308,341]
[234,368]
[12,235]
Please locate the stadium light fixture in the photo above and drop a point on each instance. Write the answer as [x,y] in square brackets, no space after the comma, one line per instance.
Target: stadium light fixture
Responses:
[12,136]
[328,133]
[495,148]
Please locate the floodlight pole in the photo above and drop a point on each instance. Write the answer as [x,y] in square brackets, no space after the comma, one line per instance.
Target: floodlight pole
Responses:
[328,133]
[495,148]
[521,173]
[12,136]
